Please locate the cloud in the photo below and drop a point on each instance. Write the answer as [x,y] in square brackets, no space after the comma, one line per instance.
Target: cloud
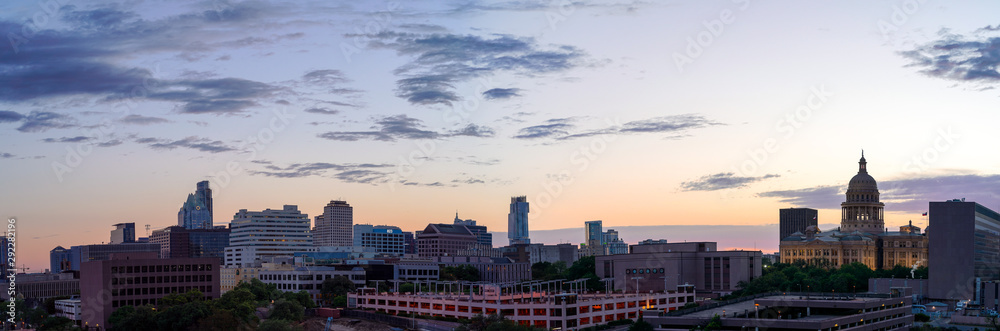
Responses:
[76,139]
[39,121]
[363,173]
[192,142]
[325,111]
[214,96]
[473,130]
[966,59]
[6,155]
[10,116]
[142,120]
[109,143]
[501,93]
[562,128]
[441,60]
[721,181]
[556,127]
[908,195]
[391,128]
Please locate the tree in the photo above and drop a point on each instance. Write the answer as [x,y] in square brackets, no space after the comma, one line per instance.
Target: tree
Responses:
[56,323]
[133,318]
[287,310]
[641,325]
[278,325]
[181,317]
[263,293]
[336,286]
[240,302]
[221,320]
[462,272]
[340,301]
[177,299]
[406,288]
[302,297]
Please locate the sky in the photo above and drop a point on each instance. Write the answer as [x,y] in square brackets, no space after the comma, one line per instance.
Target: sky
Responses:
[636,113]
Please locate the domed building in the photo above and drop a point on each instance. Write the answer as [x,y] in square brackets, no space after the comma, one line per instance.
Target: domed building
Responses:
[861,237]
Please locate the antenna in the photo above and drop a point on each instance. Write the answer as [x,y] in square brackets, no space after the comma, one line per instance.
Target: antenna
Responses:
[24,269]
[147,230]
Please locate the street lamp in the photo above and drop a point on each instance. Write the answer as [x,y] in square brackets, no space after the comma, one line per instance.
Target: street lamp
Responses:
[637,285]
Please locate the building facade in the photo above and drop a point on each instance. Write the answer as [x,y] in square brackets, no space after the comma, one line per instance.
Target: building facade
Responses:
[655,267]
[255,235]
[541,309]
[335,226]
[862,236]
[59,259]
[384,239]
[123,233]
[491,269]
[180,242]
[792,220]
[444,240]
[484,239]
[310,279]
[135,279]
[517,221]
[797,312]
[196,212]
[964,248]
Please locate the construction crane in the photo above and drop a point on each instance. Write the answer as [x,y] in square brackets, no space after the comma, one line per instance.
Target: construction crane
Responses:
[24,268]
[147,230]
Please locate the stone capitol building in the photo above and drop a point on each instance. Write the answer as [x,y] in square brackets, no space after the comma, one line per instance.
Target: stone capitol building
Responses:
[862,236]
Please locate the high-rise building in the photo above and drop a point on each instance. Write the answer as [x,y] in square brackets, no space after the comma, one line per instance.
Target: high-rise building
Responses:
[964,248]
[613,244]
[517,221]
[178,242]
[123,233]
[334,227]
[385,239]
[60,259]
[196,212]
[483,236]
[409,243]
[792,220]
[103,288]
[255,235]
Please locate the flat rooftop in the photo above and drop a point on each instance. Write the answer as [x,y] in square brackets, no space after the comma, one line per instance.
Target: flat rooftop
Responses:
[783,300]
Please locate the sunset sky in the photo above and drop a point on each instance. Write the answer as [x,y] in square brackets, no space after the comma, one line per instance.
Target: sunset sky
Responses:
[631,112]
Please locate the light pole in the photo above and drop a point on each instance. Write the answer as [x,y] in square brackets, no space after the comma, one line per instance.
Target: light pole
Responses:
[637,285]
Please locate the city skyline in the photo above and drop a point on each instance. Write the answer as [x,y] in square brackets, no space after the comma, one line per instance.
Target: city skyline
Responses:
[637,114]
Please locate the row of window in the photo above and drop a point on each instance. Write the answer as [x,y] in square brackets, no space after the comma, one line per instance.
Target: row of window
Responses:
[160,279]
[643,271]
[161,268]
[158,290]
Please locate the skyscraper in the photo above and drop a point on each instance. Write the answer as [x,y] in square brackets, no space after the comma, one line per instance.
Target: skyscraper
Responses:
[196,212]
[964,239]
[517,221]
[792,220]
[258,234]
[123,233]
[335,226]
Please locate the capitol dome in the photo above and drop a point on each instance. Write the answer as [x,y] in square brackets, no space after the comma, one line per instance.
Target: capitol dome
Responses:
[862,187]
